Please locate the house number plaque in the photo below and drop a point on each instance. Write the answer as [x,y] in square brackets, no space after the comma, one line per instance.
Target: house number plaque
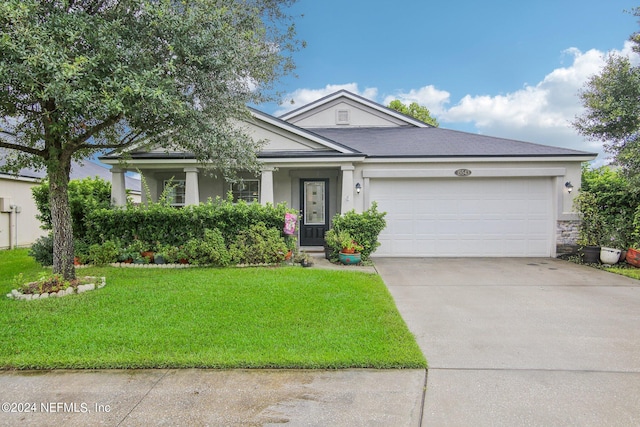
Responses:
[463,172]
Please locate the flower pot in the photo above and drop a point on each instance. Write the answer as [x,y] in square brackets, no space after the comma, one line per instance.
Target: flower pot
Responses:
[609,255]
[288,256]
[348,259]
[159,259]
[623,255]
[76,261]
[149,255]
[591,254]
[306,263]
[347,251]
[633,257]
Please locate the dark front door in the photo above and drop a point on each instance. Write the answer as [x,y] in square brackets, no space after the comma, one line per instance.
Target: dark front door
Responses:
[314,209]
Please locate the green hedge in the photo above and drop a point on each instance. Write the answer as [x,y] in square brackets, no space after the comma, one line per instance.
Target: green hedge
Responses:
[157,224]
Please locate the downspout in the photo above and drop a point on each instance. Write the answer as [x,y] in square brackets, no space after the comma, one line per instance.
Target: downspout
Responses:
[11,226]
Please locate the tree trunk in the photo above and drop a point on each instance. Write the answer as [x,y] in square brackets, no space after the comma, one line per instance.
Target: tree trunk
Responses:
[61,219]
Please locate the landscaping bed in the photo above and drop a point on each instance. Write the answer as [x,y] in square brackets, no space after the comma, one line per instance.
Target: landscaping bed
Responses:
[282,317]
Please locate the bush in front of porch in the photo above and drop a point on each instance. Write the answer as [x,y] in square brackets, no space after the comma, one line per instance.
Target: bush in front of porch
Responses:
[363,227]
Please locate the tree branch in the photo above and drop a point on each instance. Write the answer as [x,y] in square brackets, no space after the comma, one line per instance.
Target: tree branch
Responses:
[123,144]
[29,150]
[97,128]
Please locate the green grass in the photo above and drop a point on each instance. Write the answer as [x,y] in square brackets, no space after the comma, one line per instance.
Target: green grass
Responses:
[632,272]
[287,317]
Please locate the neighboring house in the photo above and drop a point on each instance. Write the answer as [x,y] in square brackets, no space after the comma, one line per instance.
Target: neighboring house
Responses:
[446,193]
[18,224]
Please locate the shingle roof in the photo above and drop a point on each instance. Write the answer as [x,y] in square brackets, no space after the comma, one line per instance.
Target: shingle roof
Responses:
[437,142]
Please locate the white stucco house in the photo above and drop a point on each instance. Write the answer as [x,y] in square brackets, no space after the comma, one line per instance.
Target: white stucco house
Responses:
[19,226]
[446,193]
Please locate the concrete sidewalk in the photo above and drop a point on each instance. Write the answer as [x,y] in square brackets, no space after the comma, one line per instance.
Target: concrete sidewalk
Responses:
[512,342]
[195,397]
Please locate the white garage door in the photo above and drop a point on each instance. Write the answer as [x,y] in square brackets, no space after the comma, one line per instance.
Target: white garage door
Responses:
[465,217]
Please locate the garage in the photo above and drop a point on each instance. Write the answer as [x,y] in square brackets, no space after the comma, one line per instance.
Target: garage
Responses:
[466,217]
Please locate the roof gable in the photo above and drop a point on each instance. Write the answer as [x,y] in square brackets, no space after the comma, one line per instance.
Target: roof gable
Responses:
[344,109]
[281,136]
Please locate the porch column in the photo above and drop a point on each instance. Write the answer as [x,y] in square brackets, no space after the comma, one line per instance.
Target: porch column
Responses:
[118,189]
[266,186]
[347,189]
[191,190]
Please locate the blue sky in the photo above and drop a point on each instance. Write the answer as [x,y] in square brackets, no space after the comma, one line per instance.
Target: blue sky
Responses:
[503,68]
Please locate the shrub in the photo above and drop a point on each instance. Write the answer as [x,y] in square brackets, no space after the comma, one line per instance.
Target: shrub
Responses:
[612,202]
[81,250]
[259,244]
[591,227]
[105,253]
[85,195]
[209,250]
[364,228]
[42,250]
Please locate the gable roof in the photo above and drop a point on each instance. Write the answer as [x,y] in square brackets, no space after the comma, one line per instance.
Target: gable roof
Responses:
[358,99]
[315,137]
[437,142]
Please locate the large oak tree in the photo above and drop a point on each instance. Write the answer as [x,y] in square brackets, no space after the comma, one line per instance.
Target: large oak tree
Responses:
[612,108]
[82,76]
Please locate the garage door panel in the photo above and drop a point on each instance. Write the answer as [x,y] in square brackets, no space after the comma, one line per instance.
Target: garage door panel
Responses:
[465,217]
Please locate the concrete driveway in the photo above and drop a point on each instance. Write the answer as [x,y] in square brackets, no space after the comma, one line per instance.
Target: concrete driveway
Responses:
[522,341]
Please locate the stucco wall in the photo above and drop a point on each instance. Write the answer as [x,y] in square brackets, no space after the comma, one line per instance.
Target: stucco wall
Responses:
[27,226]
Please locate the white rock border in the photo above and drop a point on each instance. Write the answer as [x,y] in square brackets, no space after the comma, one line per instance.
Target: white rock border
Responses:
[100,282]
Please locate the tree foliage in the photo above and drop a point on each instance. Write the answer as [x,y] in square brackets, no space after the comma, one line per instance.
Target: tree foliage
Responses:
[414,110]
[608,202]
[84,76]
[612,108]
[85,196]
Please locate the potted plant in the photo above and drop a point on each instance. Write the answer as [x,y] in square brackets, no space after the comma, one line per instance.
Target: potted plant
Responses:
[159,257]
[304,259]
[350,252]
[609,255]
[347,243]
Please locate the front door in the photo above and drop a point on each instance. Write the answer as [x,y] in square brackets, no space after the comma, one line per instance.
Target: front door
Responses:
[314,209]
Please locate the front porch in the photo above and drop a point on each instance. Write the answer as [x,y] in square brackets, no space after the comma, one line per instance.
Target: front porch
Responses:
[317,191]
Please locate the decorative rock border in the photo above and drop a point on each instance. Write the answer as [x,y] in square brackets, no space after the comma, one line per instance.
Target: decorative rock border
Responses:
[101,283]
[132,265]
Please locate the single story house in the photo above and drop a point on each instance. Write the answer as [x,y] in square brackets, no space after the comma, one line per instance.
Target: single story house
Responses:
[446,193]
[19,226]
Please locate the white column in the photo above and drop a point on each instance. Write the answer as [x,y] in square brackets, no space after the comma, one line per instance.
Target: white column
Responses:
[347,189]
[266,186]
[192,192]
[118,189]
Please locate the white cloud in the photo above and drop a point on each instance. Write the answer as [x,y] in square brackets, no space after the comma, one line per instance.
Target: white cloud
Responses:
[434,99]
[540,113]
[301,97]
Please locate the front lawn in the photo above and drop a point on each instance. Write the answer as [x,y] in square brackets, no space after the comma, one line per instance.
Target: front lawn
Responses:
[632,272]
[287,317]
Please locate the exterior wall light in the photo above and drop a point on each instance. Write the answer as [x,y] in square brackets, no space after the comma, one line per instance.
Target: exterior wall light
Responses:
[569,186]
[358,188]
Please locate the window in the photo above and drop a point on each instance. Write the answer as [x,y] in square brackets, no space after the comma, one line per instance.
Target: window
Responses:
[175,192]
[247,190]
